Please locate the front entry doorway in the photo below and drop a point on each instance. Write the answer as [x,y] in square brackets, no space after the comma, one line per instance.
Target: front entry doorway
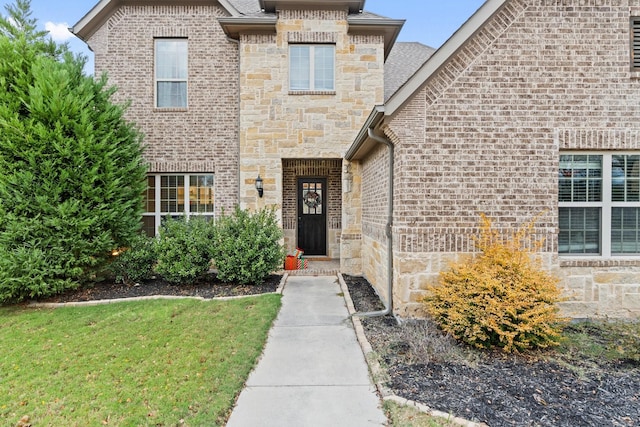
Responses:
[312,215]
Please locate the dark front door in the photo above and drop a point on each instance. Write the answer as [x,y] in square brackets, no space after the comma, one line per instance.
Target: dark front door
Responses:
[312,215]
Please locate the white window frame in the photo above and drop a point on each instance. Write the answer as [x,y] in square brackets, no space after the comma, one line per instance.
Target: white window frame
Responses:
[157,80]
[606,206]
[158,215]
[312,68]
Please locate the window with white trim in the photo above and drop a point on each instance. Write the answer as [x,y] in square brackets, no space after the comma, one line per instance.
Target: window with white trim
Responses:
[171,73]
[599,204]
[177,195]
[312,67]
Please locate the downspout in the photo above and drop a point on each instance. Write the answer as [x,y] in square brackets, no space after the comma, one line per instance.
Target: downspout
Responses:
[389,307]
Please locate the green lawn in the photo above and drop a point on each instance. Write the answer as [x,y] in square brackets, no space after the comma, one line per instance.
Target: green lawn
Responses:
[409,416]
[156,363]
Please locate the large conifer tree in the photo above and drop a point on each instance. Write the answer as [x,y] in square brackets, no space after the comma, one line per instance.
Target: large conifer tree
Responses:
[71,167]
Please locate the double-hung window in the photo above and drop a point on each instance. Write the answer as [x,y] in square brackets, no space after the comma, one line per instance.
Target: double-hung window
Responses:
[177,195]
[312,67]
[171,73]
[599,204]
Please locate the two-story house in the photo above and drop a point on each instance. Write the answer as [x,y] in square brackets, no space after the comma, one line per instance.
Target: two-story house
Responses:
[383,154]
[232,90]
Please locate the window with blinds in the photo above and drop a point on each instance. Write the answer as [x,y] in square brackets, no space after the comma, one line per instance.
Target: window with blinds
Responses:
[599,204]
[635,43]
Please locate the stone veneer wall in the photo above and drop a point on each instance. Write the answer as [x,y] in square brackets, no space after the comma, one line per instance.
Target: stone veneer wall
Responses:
[351,244]
[278,124]
[485,133]
[202,137]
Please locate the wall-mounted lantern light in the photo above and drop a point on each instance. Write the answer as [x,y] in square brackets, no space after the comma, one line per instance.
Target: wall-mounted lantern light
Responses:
[259,186]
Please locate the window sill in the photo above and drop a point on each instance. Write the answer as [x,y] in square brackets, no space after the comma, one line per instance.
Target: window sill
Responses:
[599,262]
[312,92]
[635,74]
[170,110]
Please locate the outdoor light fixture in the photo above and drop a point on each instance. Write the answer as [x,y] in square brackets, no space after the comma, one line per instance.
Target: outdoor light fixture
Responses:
[259,186]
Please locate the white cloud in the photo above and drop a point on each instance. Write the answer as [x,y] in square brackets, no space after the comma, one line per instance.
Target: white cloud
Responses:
[59,32]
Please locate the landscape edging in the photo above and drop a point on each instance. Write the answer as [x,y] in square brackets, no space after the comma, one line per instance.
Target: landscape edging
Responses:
[377,372]
[148,297]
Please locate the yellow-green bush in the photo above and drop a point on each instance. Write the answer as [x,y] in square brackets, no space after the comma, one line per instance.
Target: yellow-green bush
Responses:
[501,297]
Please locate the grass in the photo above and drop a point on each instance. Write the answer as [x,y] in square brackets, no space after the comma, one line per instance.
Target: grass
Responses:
[407,416]
[159,362]
[588,345]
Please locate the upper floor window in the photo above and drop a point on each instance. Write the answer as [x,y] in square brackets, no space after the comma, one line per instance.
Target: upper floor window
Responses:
[312,67]
[171,73]
[599,204]
[635,43]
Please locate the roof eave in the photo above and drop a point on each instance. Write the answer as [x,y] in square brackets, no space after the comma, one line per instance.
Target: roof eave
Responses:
[233,27]
[89,23]
[271,6]
[389,28]
[363,144]
[86,25]
[448,49]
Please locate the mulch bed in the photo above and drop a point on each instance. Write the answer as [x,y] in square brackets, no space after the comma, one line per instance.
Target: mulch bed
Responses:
[498,389]
[488,387]
[207,287]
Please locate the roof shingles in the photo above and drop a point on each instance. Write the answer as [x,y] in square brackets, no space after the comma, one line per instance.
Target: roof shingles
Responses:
[404,60]
[246,7]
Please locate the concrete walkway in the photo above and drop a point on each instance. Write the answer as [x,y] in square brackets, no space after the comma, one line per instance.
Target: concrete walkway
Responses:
[312,372]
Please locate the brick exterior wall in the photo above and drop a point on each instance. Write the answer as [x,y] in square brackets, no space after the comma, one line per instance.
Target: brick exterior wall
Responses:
[300,168]
[484,136]
[202,137]
[375,199]
[375,193]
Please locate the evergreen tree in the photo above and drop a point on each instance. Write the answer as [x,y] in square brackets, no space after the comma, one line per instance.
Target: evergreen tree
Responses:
[71,167]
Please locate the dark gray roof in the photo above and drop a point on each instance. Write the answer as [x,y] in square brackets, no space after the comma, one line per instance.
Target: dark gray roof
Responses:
[246,7]
[252,7]
[402,63]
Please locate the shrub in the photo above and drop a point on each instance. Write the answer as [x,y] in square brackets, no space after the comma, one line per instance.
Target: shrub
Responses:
[501,297]
[247,246]
[136,262]
[72,168]
[183,249]
[31,272]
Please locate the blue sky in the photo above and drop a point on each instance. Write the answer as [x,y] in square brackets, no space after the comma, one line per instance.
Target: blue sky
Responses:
[430,22]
